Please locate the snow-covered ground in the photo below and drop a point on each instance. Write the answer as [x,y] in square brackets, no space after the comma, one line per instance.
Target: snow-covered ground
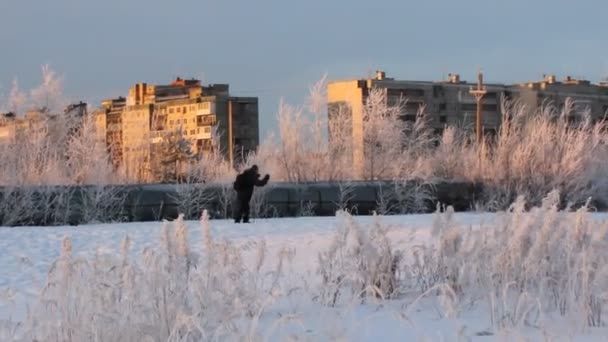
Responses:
[28,253]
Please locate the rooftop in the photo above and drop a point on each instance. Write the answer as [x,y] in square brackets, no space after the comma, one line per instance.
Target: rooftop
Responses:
[454,78]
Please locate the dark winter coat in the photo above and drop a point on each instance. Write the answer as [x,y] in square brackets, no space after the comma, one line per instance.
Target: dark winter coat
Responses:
[246,181]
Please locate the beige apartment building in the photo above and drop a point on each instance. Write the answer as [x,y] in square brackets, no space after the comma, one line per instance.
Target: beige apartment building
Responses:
[36,123]
[449,102]
[9,126]
[133,126]
[32,125]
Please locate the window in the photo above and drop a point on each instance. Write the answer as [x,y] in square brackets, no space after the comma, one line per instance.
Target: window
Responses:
[443,119]
[414,92]
[468,107]
[488,107]
[179,110]
[412,106]
[438,134]
[242,107]
[205,120]
[408,117]
[170,110]
[394,92]
[485,107]
[204,145]
[192,132]
[185,110]
[405,93]
[207,129]
[437,91]
[394,100]
[443,106]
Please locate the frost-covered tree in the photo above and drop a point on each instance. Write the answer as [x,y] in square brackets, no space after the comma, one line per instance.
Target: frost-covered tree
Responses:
[48,96]
[292,146]
[340,150]
[17,99]
[300,151]
[212,165]
[173,154]
[383,135]
[88,160]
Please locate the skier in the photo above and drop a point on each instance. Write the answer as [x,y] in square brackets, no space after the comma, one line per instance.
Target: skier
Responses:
[243,185]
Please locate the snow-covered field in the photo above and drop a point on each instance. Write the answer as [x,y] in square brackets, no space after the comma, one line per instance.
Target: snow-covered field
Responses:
[287,286]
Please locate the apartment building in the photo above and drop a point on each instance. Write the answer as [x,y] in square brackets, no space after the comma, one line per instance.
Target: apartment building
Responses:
[586,95]
[37,123]
[134,125]
[7,127]
[450,102]
[32,125]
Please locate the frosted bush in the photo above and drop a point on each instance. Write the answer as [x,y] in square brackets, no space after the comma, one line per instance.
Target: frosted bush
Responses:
[523,265]
[167,293]
[359,263]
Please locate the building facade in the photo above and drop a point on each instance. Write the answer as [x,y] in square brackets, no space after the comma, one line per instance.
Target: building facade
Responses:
[207,116]
[450,102]
[36,123]
[586,95]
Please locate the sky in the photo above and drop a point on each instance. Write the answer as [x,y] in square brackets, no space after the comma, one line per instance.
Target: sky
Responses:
[276,49]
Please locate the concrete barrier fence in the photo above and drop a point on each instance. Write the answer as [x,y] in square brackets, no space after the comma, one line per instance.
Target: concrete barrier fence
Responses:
[82,204]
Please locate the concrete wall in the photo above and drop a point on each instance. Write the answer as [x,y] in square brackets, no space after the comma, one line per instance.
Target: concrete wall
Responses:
[72,205]
[350,93]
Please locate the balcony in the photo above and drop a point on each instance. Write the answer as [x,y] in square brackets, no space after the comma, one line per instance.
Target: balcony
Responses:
[205,120]
[408,93]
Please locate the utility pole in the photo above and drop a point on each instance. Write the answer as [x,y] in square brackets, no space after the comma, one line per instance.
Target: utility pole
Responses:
[478,92]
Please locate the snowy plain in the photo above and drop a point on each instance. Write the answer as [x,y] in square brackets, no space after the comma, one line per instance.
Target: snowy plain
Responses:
[27,254]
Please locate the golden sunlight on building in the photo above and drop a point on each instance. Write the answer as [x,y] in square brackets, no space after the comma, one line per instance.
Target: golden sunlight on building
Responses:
[132,126]
[450,102]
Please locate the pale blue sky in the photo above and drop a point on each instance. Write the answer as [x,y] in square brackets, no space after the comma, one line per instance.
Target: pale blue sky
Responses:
[274,48]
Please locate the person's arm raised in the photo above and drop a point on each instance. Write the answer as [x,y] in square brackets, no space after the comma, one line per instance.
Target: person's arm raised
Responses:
[263,181]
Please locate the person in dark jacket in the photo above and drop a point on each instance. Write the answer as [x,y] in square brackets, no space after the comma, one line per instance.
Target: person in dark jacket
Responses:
[244,184]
